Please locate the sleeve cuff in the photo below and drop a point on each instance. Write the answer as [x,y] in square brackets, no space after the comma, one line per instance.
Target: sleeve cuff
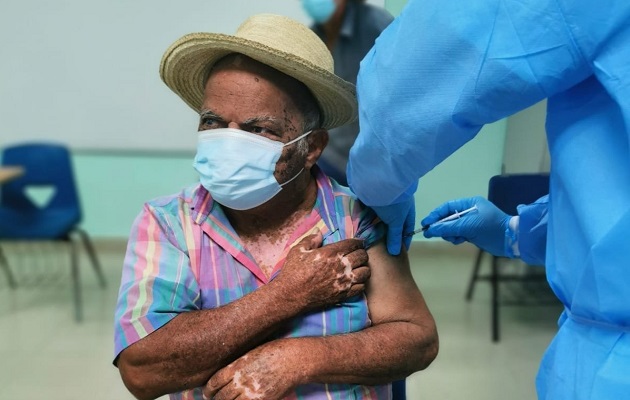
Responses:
[511,238]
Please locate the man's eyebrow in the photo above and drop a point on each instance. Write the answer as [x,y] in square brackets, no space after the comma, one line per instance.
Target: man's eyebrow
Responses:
[262,118]
[250,121]
[209,113]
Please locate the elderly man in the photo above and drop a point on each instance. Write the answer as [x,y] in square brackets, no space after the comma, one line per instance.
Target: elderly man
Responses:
[256,284]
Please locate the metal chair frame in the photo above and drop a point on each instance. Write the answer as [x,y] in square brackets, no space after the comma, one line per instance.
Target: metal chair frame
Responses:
[506,192]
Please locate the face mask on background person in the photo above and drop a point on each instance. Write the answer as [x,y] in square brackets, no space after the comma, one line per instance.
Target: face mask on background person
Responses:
[237,167]
[319,10]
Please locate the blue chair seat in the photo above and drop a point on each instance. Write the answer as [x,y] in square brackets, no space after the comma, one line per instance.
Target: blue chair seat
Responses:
[46,165]
[37,225]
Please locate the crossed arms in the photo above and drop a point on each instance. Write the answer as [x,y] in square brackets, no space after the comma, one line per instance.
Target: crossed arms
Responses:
[228,349]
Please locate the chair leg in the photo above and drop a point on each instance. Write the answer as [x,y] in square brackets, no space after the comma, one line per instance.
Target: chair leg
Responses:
[76,281]
[5,266]
[495,298]
[92,254]
[474,276]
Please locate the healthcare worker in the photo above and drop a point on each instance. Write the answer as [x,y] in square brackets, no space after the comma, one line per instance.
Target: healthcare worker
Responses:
[441,71]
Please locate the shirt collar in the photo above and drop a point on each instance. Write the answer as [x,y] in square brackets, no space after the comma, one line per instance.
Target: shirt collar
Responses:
[203,205]
[210,216]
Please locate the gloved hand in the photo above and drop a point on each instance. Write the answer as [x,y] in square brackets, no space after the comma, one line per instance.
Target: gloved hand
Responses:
[399,217]
[485,227]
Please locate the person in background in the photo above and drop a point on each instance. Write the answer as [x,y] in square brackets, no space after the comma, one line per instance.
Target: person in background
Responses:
[440,72]
[266,280]
[349,29]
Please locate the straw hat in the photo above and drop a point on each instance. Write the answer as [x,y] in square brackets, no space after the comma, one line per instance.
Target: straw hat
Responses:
[277,41]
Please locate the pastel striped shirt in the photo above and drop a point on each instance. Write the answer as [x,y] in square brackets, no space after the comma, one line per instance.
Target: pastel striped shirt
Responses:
[184,255]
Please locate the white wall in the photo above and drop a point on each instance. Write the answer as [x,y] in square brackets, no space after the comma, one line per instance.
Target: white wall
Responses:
[526,141]
[113,185]
[86,72]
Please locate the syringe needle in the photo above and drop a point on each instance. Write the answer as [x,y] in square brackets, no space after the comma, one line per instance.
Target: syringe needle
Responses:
[457,215]
[451,217]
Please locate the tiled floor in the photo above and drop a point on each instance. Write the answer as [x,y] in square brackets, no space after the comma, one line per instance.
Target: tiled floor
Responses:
[44,354]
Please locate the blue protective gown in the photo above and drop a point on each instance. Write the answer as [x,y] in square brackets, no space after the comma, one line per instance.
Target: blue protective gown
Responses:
[443,69]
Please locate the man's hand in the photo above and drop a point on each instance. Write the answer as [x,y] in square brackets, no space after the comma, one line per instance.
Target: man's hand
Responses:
[317,276]
[400,219]
[485,228]
[263,373]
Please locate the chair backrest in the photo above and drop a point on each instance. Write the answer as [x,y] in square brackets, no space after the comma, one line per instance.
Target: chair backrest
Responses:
[45,164]
[508,191]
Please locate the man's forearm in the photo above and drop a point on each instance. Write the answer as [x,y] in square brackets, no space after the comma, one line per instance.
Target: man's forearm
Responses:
[370,357]
[376,355]
[185,352]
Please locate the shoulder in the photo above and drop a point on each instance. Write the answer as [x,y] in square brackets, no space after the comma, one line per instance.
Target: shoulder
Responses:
[366,224]
[344,198]
[175,204]
[167,213]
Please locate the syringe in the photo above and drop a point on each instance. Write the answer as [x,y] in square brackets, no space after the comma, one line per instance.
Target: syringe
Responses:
[451,217]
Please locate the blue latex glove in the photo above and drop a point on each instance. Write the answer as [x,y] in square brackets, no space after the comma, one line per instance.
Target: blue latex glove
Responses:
[399,217]
[486,227]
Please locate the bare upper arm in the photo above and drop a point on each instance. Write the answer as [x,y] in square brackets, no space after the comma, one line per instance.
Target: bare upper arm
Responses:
[392,293]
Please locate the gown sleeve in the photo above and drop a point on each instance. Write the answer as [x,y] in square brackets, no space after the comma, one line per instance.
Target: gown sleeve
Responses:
[441,71]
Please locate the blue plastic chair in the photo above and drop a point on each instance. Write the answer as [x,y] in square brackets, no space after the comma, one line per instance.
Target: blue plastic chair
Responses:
[507,192]
[45,165]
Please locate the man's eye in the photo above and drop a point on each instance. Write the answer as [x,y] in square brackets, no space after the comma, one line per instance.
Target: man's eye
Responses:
[208,122]
[260,130]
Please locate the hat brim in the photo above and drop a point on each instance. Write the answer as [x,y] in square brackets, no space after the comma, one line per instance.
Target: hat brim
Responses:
[186,63]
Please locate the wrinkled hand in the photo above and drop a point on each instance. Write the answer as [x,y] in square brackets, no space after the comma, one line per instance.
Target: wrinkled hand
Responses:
[317,276]
[263,374]
[400,218]
[485,228]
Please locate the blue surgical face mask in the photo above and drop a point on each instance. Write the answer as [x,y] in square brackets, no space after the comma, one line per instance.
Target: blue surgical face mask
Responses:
[319,10]
[237,167]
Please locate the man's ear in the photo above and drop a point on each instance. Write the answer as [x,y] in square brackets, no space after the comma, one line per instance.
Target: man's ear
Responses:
[317,141]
